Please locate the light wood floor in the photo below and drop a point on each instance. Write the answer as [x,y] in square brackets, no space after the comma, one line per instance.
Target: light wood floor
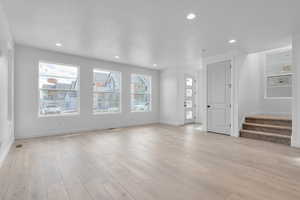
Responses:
[154,162]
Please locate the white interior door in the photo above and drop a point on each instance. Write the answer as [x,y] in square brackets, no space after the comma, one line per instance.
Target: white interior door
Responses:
[218,97]
[189,100]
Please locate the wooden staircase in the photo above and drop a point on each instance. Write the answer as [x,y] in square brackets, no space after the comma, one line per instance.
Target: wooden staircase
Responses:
[268,128]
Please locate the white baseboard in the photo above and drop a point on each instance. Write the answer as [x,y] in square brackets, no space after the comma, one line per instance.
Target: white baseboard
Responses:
[58,132]
[295,144]
[5,149]
[172,123]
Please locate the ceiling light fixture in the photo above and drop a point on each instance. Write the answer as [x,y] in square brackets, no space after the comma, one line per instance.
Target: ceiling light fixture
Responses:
[191,16]
[58,44]
[154,65]
[232,41]
[117,57]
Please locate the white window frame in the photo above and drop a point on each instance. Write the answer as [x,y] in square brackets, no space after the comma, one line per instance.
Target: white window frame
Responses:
[78,91]
[131,94]
[107,113]
[266,75]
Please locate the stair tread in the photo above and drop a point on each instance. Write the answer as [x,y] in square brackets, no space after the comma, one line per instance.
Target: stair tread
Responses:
[269,117]
[266,133]
[269,126]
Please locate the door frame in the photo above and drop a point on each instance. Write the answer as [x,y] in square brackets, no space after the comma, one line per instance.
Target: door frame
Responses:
[234,130]
[193,99]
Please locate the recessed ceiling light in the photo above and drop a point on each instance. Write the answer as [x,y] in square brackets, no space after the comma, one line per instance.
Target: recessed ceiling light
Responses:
[154,65]
[232,41]
[117,57]
[58,44]
[191,16]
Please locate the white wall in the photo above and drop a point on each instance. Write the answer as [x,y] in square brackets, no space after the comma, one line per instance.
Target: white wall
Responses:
[172,95]
[296,92]
[248,89]
[249,85]
[169,97]
[27,122]
[252,90]
[6,87]
[271,106]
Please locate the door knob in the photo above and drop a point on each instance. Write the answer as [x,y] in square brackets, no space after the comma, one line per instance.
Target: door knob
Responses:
[208,106]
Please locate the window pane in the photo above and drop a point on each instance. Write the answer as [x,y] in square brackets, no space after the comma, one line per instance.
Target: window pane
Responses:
[279,81]
[189,114]
[140,93]
[189,92]
[140,84]
[279,62]
[107,86]
[140,102]
[58,83]
[55,76]
[57,70]
[58,89]
[107,102]
[105,81]
[189,103]
[58,102]
[189,81]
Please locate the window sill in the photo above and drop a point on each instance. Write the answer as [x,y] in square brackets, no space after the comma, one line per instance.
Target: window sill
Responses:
[279,98]
[59,115]
[142,111]
[106,113]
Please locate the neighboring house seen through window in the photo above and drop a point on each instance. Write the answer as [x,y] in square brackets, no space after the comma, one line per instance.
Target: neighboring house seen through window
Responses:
[59,89]
[107,91]
[140,93]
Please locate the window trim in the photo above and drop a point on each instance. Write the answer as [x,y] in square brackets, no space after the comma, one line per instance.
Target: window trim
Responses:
[93,92]
[150,107]
[78,91]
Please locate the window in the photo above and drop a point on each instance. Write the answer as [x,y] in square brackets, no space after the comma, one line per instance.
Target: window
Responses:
[278,74]
[140,93]
[59,89]
[107,91]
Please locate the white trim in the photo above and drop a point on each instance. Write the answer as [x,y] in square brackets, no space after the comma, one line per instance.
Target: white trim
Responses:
[60,115]
[78,90]
[106,113]
[295,141]
[172,123]
[278,98]
[6,148]
[61,90]
[62,132]
[141,111]
[278,74]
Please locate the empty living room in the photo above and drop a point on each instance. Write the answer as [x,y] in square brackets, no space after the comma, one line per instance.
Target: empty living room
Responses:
[149,100]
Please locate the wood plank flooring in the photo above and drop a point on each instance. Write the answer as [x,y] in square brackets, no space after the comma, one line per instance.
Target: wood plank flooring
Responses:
[155,162]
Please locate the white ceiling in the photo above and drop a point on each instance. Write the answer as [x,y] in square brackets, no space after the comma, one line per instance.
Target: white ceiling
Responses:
[144,32]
